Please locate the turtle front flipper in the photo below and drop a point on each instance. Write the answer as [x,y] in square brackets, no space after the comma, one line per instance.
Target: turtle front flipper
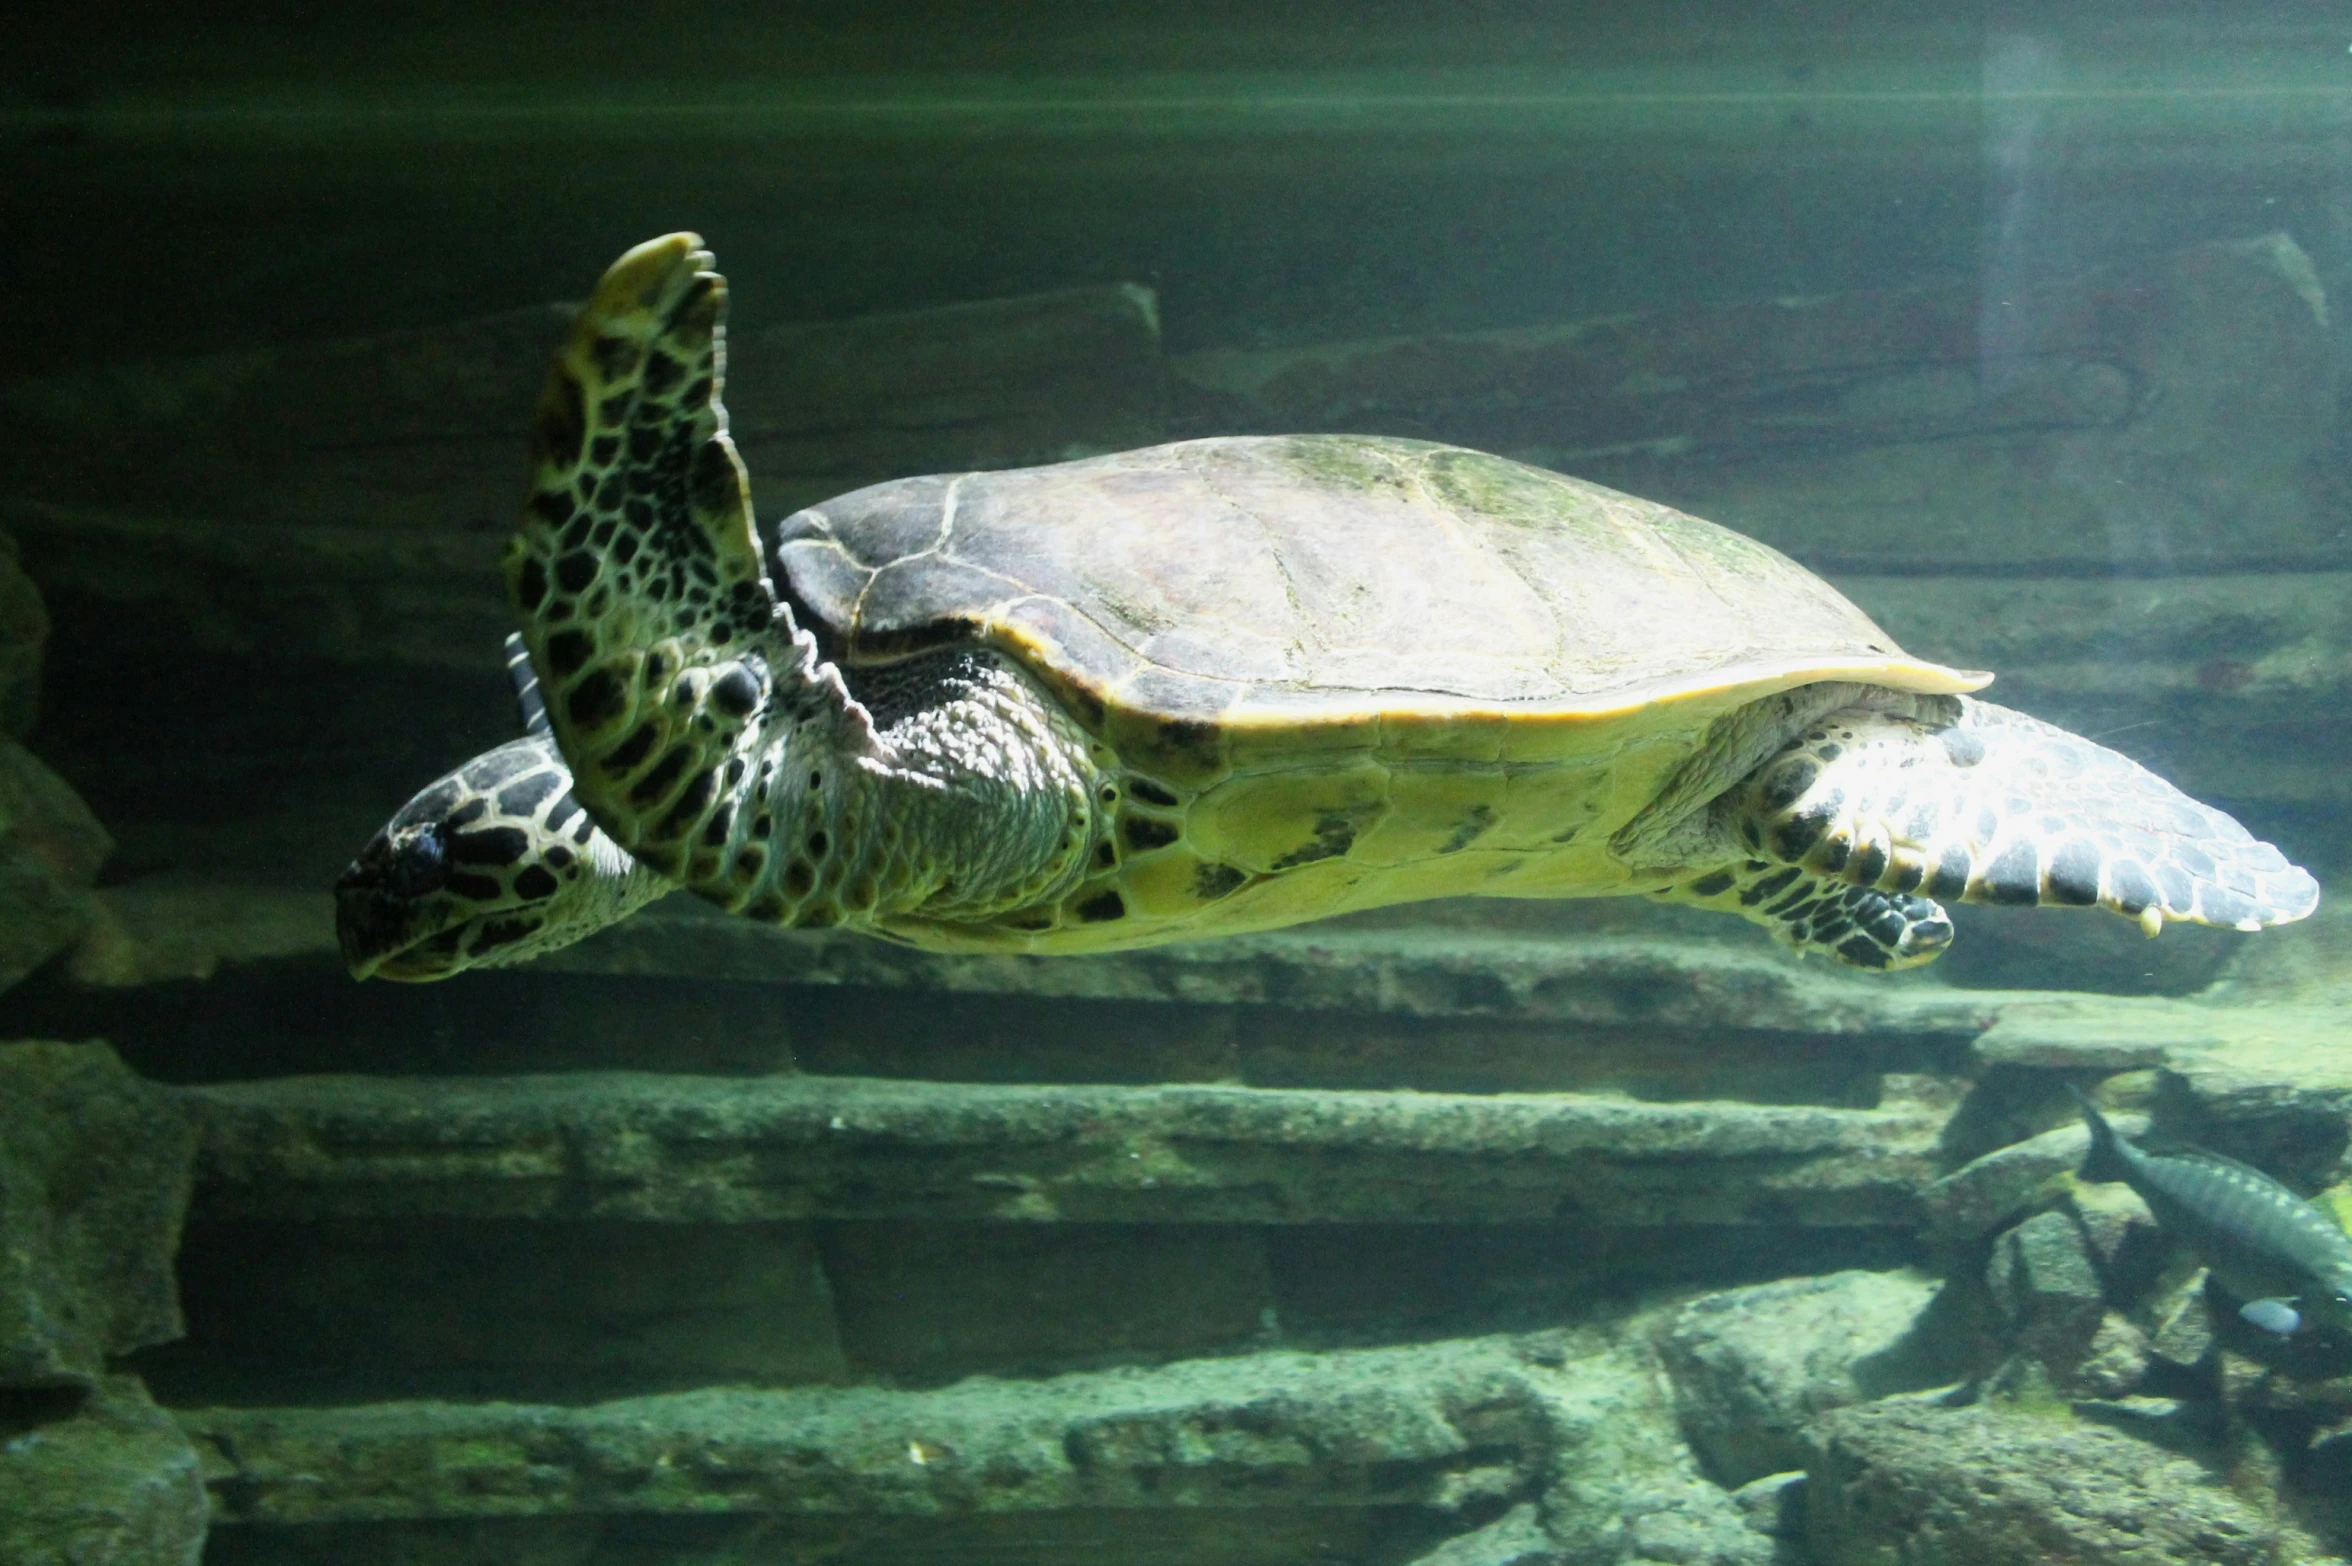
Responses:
[1962,799]
[662,651]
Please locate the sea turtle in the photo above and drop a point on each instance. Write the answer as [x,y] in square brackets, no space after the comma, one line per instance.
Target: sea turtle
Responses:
[1232,684]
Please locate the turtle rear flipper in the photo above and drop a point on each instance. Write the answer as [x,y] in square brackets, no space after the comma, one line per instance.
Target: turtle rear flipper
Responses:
[1859,926]
[1970,801]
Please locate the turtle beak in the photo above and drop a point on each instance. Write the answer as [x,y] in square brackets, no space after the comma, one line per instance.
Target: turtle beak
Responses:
[381,923]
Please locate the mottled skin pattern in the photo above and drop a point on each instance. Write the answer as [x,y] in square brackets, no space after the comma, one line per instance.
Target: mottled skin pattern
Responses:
[703,728]
[1232,685]
[492,865]
[1952,797]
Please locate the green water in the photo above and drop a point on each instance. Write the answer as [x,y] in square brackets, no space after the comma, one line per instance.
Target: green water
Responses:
[1402,1238]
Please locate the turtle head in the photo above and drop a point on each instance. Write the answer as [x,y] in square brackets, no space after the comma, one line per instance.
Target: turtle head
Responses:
[491,865]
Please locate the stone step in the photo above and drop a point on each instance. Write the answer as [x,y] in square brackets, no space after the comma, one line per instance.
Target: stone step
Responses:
[622,1145]
[1422,1426]
[1387,1452]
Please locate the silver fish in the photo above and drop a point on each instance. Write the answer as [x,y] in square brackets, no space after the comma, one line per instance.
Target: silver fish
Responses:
[2267,1246]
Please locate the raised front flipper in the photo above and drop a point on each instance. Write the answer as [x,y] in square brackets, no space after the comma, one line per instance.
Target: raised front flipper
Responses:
[672,678]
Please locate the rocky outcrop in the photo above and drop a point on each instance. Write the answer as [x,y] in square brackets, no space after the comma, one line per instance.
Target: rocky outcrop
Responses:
[1439,1426]
[2049,1295]
[1498,1452]
[1751,1367]
[51,849]
[99,1477]
[51,846]
[1910,1482]
[672,1149]
[94,1179]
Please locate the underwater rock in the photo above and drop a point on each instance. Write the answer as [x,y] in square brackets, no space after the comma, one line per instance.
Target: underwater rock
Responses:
[1440,1426]
[24,630]
[2115,1361]
[1623,1483]
[1517,1538]
[94,1179]
[51,849]
[2125,1243]
[682,1148]
[1927,1486]
[2041,1277]
[1523,1451]
[1987,1192]
[1750,1366]
[2183,1322]
[2277,1094]
[1774,1504]
[102,1478]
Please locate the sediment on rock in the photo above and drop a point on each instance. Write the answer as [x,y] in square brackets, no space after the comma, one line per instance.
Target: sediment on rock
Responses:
[98,1477]
[1434,1426]
[1960,1486]
[94,1181]
[626,1145]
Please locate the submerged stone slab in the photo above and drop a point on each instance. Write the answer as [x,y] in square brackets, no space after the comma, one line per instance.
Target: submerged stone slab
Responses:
[675,1148]
[51,849]
[1751,1366]
[101,1479]
[94,1180]
[1927,1486]
[1433,1426]
[1470,1452]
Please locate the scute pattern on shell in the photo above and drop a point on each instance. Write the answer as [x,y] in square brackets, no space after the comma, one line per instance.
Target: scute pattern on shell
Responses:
[1297,580]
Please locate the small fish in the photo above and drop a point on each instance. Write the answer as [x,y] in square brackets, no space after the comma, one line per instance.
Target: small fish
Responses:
[2263,1243]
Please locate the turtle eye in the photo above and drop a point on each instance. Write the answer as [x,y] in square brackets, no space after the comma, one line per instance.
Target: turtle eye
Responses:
[420,865]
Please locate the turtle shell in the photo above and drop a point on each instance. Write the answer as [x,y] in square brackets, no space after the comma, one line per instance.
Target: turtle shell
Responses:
[1334,614]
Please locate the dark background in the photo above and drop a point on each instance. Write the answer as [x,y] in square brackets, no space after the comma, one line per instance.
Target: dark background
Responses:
[182,179]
